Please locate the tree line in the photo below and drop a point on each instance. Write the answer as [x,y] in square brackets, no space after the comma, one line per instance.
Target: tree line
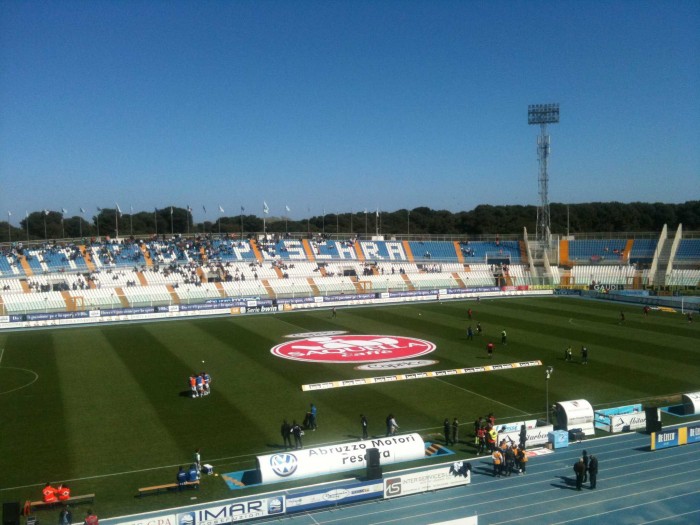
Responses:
[483,220]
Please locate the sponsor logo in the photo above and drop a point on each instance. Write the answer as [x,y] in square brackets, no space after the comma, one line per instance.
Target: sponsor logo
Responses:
[353,348]
[187,519]
[304,335]
[335,495]
[275,506]
[284,464]
[395,365]
[392,486]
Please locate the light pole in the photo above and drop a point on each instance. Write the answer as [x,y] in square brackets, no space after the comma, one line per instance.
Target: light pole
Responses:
[543,114]
[548,373]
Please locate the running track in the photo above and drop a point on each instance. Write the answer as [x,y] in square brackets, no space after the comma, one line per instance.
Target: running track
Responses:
[634,486]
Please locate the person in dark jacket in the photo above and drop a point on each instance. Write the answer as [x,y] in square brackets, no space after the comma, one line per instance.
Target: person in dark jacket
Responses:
[585,464]
[593,470]
[297,432]
[579,470]
[286,433]
[364,425]
[447,429]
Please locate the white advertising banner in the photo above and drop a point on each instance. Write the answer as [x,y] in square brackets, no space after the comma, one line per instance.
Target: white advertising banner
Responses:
[627,422]
[318,461]
[237,511]
[443,477]
[160,519]
[535,436]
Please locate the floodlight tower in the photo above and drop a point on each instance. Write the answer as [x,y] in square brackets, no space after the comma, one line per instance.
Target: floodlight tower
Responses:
[543,114]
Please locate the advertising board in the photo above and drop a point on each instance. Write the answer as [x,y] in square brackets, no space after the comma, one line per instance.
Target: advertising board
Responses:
[445,476]
[318,461]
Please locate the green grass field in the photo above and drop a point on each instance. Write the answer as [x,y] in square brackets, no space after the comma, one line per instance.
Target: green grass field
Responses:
[103,407]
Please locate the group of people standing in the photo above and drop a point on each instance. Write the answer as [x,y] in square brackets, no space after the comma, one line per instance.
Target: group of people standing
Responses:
[586,468]
[200,384]
[296,431]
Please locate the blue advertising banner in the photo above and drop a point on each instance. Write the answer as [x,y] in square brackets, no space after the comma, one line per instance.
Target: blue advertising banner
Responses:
[694,434]
[664,439]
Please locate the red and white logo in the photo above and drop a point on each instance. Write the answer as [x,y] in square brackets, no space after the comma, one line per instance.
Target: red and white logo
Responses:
[353,348]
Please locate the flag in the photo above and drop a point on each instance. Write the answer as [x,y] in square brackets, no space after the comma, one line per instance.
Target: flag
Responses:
[119,210]
[82,210]
[286,207]
[9,213]
[99,209]
[131,209]
[203,208]
[64,211]
[377,212]
[242,209]
[189,208]
[221,210]
[266,210]
[46,212]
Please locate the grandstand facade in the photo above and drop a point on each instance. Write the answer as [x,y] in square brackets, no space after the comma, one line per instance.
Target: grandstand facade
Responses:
[74,276]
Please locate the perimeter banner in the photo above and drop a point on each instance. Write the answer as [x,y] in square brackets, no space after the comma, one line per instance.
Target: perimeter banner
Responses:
[417,375]
[304,463]
[446,476]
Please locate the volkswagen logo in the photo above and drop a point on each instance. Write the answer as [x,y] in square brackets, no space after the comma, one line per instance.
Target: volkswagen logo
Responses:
[284,464]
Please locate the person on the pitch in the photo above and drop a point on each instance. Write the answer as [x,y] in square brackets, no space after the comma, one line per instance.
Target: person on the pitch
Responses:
[365,425]
[49,494]
[286,432]
[447,430]
[470,333]
[489,349]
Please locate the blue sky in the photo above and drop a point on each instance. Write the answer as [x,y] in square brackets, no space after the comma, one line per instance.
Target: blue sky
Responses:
[343,105]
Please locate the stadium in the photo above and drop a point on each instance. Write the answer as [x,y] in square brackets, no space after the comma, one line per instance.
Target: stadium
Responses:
[117,418]
[401,328]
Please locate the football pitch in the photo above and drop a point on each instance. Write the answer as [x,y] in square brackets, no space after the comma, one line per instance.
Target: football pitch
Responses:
[107,408]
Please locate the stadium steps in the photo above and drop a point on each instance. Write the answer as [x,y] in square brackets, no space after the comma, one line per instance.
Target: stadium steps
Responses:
[279,272]
[70,302]
[307,250]
[408,282]
[220,287]
[407,250]
[458,251]
[358,252]
[25,286]
[508,278]
[627,250]
[146,255]
[86,257]
[173,294]
[322,270]
[313,286]
[523,252]
[358,286]
[25,266]
[142,278]
[202,275]
[268,288]
[459,280]
[122,298]
[256,250]
[203,254]
[564,253]
[3,311]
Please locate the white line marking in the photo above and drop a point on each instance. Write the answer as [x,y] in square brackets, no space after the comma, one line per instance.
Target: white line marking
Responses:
[36,377]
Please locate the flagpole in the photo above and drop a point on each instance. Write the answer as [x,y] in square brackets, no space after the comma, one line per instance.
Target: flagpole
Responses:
[155,219]
[172,229]
[242,210]
[45,236]
[365,223]
[9,231]
[63,230]
[81,222]
[116,222]
[97,221]
[27,217]
[351,222]
[131,220]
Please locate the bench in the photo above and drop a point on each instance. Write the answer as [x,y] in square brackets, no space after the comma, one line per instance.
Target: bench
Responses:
[168,486]
[36,505]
